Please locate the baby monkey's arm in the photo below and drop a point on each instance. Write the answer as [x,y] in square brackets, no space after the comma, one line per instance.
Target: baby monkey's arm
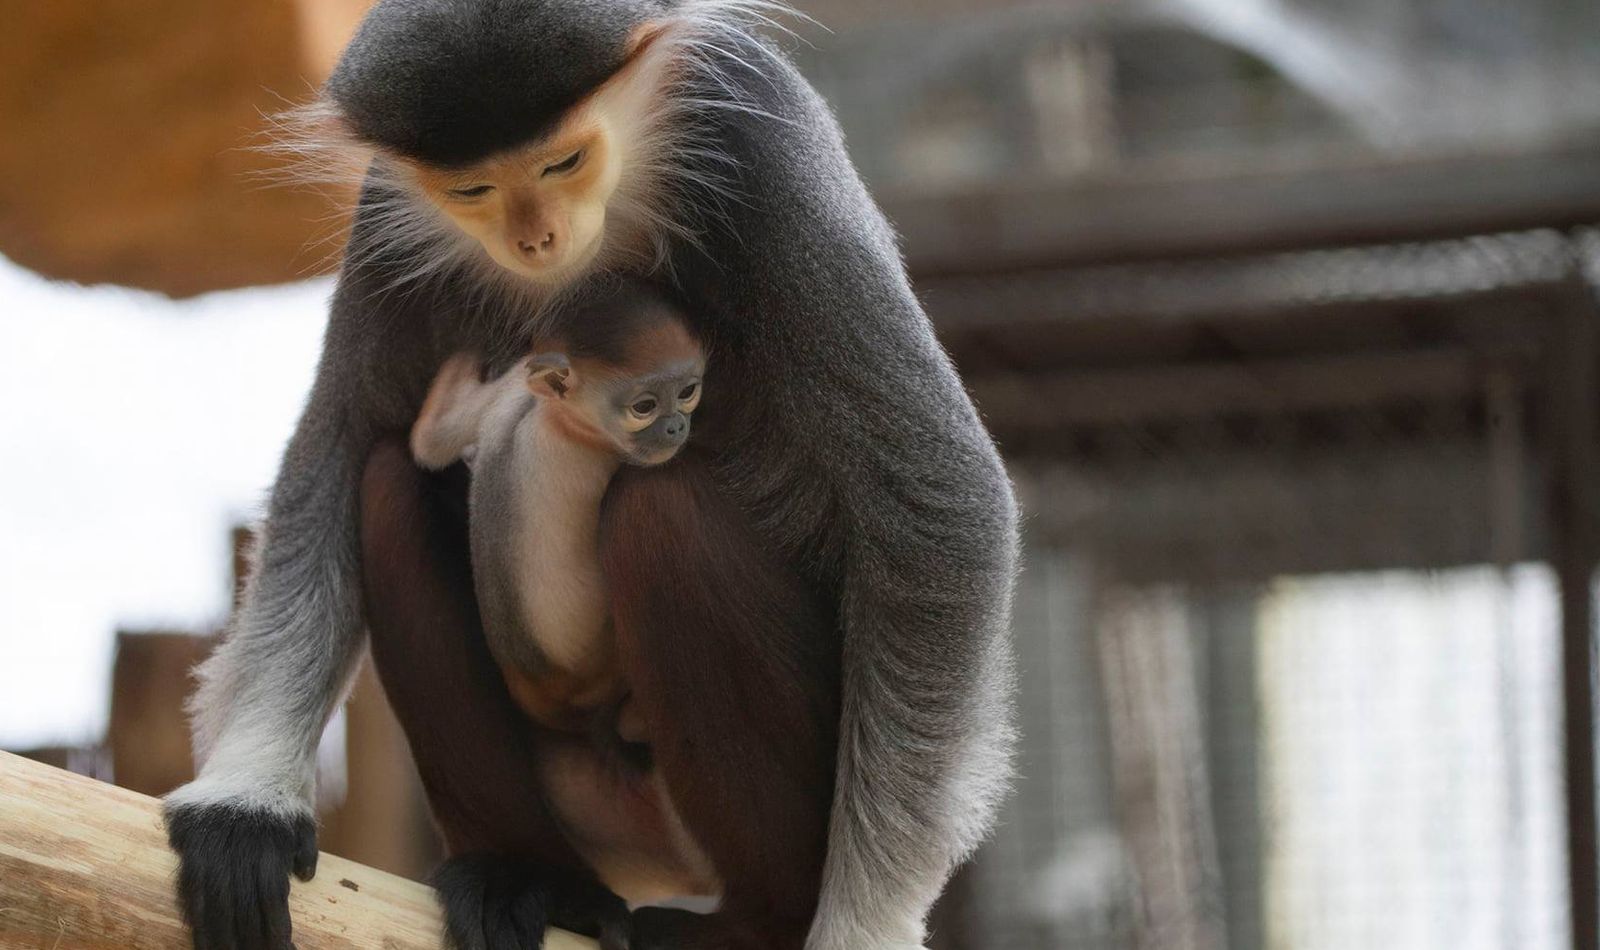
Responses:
[452,415]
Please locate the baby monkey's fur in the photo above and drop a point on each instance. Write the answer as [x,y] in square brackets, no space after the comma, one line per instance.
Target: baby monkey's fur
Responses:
[616,387]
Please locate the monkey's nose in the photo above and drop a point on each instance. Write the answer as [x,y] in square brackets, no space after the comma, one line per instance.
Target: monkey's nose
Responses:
[542,245]
[675,427]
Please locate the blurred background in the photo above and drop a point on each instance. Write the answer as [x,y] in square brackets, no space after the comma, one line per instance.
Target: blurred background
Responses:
[1283,311]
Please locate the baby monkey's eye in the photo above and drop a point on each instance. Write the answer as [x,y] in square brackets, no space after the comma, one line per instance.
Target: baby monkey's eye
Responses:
[687,392]
[566,164]
[471,191]
[643,407]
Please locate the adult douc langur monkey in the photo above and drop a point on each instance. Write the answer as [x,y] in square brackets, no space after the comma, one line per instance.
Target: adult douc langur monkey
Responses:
[519,146]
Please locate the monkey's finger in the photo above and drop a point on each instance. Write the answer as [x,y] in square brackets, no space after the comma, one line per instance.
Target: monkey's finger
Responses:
[227,918]
[616,935]
[529,915]
[305,852]
[276,929]
[513,911]
[193,904]
[461,891]
[503,931]
[215,923]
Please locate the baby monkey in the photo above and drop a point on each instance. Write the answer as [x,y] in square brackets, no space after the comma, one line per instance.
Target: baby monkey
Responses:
[616,387]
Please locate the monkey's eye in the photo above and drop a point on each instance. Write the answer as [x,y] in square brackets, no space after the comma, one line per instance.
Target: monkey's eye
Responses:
[687,393]
[471,191]
[643,407]
[566,164]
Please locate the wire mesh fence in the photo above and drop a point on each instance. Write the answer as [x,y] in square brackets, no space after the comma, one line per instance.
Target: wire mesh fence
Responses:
[1290,629]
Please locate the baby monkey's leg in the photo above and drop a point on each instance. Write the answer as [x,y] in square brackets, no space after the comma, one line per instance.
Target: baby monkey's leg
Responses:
[511,868]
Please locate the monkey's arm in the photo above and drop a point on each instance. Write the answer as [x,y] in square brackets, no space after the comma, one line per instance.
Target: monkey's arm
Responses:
[925,733]
[452,416]
[868,447]
[266,693]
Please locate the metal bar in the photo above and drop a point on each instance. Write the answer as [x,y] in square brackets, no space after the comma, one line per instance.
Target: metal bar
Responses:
[1206,390]
[1573,510]
[1018,224]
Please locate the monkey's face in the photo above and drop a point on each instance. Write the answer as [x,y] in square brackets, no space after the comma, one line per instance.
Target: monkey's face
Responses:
[549,171]
[539,210]
[650,416]
[644,417]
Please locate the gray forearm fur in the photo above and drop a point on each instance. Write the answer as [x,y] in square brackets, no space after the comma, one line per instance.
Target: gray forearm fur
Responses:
[286,660]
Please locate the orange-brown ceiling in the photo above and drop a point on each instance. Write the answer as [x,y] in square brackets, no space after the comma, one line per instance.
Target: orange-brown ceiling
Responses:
[126,129]
[125,134]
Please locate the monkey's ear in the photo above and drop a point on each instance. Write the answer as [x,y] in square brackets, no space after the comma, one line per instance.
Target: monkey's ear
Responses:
[550,375]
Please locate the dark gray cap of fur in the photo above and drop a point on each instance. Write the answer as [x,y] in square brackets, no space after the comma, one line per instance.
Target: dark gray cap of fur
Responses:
[449,82]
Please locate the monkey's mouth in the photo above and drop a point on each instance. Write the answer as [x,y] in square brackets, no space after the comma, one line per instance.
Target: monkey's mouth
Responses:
[558,271]
[661,456]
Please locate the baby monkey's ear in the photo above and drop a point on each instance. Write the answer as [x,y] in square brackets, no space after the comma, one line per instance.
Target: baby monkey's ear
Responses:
[550,375]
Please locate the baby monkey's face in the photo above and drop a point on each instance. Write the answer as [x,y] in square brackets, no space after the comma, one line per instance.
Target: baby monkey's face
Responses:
[643,417]
[648,416]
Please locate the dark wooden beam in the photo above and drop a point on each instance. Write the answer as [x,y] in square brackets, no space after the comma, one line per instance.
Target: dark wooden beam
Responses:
[1053,401]
[1574,499]
[1018,225]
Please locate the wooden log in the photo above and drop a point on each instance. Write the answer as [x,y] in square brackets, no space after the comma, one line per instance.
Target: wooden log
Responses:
[86,865]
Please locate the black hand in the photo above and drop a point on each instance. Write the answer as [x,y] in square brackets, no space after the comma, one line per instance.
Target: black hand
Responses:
[495,902]
[233,876]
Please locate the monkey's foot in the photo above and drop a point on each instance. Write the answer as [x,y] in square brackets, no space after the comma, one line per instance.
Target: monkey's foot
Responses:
[496,902]
[233,872]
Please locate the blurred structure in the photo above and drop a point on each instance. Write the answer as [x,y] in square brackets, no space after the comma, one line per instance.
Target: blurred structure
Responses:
[129,134]
[1305,633]
[371,806]
[1284,313]
[1307,533]
[148,735]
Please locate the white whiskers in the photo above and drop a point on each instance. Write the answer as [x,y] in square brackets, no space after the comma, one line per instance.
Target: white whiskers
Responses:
[676,181]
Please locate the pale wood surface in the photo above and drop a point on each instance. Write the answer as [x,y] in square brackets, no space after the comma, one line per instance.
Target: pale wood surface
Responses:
[86,865]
